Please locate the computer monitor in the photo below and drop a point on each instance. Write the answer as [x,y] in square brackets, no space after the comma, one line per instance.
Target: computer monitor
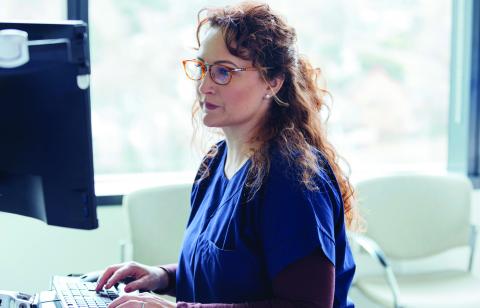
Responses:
[46,160]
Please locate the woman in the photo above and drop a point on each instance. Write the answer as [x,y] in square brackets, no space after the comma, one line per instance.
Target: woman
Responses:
[270,203]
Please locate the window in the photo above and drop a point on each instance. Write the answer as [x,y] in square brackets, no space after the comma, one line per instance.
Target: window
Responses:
[141,100]
[34,9]
[386,64]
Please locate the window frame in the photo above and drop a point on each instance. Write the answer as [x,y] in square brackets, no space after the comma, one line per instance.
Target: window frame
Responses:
[77,10]
[475,99]
[464,105]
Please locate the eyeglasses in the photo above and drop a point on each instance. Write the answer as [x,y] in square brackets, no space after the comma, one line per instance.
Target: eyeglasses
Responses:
[220,74]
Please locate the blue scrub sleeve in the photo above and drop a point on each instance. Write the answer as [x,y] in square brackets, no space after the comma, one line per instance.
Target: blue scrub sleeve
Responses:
[295,221]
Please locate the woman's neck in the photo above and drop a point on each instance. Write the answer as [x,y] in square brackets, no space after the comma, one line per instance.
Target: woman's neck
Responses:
[239,149]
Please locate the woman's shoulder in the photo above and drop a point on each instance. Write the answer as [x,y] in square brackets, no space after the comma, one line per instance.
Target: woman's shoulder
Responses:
[286,181]
[287,164]
[288,170]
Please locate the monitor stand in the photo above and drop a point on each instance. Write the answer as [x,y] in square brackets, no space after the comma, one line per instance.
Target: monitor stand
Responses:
[26,190]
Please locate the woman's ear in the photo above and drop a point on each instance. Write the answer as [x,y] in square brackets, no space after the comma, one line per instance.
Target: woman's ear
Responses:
[275,84]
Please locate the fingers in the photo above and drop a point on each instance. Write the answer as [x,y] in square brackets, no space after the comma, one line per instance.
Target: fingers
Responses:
[143,277]
[137,284]
[132,304]
[130,301]
[123,299]
[121,273]
[106,276]
[133,301]
[142,300]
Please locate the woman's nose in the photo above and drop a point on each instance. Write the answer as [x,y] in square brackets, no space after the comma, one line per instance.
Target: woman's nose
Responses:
[206,84]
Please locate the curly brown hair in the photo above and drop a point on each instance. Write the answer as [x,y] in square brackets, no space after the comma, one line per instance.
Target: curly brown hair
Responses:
[252,31]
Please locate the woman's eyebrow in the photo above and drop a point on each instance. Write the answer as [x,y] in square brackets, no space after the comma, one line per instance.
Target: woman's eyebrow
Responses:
[220,62]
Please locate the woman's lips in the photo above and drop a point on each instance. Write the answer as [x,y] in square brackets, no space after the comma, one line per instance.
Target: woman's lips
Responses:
[210,106]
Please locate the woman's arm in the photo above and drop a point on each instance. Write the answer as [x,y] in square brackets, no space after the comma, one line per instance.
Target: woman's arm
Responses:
[308,282]
[171,270]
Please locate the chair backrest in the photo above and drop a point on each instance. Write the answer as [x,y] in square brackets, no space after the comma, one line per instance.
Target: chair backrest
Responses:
[157,219]
[413,216]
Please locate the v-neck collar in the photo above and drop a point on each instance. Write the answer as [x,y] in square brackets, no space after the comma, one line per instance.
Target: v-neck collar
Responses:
[224,161]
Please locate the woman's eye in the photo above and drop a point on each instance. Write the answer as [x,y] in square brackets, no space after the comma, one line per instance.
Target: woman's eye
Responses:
[223,71]
[220,74]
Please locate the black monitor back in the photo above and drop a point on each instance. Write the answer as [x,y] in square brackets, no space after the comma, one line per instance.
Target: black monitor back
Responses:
[46,160]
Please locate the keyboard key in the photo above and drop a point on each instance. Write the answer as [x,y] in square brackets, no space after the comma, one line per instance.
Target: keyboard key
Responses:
[77,294]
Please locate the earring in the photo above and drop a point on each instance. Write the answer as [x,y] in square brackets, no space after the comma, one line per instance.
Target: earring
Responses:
[267,96]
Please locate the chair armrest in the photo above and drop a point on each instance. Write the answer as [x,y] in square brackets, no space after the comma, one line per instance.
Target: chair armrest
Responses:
[371,247]
[374,250]
[473,244]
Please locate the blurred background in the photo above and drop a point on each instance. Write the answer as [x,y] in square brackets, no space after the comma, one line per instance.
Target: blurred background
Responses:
[386,64]
[395,71]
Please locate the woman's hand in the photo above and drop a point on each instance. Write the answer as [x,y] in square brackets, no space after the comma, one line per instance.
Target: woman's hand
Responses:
[144,277]
[142,300]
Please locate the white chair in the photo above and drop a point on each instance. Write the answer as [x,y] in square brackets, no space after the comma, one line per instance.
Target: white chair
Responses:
[157,219]
[410,217]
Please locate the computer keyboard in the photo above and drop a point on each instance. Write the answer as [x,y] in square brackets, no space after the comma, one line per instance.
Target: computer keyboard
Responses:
[75,293]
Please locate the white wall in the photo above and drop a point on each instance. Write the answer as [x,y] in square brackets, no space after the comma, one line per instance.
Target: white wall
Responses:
[31,252]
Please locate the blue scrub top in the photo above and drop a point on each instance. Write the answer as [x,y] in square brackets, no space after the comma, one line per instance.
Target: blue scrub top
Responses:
[234,246]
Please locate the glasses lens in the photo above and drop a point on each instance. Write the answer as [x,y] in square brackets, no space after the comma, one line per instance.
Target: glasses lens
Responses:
[193,69]
[220,74]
